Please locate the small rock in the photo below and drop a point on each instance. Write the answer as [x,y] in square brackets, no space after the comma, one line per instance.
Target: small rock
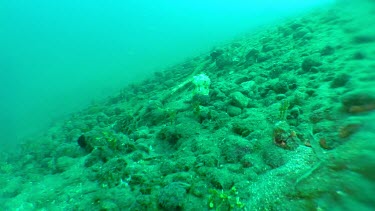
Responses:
[351,126]
[172,196]
[364,38]
[310,62]
[223,61]
[327,50]
[216,53]
[264,57]
[300,33]
[252,55]
[280,87]
[280,97]
[340,80]
[233,111]
[239,100]
[268,47]
[358,101]
[248,85]
[64,163]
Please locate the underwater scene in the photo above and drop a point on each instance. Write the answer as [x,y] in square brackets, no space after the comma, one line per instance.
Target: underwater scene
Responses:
[275,115]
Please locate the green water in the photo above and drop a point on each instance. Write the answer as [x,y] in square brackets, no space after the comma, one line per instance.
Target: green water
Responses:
[187,106]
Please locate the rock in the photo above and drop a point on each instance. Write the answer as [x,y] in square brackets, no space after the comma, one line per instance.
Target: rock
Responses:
[169,134]
[235,148]
[252,55]
[295,25]
[280,97]
[340,80]
[301,32]
[108,205]
[349,127]
[359,55]
[172,196]
[264,57]
[248,86]
[64,163]
[364,38]
[216,53]
[233,111]
[239,100]
[327,50]
[295,112]
[223,61]
[154,113]
[268,47]
[316,116]
[285,31]
[358,101]
[280,87]
[310,62]
[102,118]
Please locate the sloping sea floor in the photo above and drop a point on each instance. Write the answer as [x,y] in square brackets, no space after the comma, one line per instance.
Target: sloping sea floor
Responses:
[289,124]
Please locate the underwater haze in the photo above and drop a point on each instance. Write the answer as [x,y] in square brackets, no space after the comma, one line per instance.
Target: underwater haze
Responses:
[187,105]
[59,56]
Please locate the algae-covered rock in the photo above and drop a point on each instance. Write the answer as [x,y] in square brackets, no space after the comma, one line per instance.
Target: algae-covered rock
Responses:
[252,56]
[280,87]
[172,196]
[340,80]
[327,50]
[233,111]
[224,60]
[301,32]
[358,101]
[238,99]
[311,62]
[235,148]
[113,173]
[169,134]
[64,163]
